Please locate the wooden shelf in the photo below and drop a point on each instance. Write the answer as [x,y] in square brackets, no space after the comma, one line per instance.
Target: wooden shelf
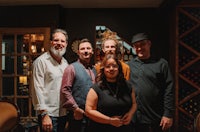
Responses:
[188,60]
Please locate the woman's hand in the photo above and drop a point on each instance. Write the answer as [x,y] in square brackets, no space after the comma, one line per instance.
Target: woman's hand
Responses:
[116,121]
[126,119]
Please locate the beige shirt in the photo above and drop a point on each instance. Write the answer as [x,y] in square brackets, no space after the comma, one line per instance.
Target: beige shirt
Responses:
[47,79]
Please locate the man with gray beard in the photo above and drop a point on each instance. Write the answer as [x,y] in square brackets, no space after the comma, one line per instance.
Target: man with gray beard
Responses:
[47,75]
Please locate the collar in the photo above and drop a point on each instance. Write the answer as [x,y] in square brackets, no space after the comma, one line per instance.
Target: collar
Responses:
[86,65]
[149,60]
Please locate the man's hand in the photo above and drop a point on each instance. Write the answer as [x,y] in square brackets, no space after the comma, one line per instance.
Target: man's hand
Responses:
[78,113]
[166,123]
[47,124]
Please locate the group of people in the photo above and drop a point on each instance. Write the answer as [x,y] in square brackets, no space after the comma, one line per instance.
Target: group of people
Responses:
[109,96]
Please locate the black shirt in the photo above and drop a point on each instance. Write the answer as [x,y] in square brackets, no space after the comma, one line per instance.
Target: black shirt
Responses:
[112,105]
[154,89]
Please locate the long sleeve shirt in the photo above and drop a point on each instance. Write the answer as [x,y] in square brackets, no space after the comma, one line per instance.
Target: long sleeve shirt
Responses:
[69,77]
[47,77]
[154,88]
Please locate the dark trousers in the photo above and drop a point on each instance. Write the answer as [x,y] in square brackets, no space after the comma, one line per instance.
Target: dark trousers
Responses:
[77,125]
[58,123]
[148,128]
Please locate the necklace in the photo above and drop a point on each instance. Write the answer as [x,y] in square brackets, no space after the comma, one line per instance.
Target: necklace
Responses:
[112,87]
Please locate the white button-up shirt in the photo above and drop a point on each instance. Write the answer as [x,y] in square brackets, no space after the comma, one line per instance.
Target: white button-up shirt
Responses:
[47,79]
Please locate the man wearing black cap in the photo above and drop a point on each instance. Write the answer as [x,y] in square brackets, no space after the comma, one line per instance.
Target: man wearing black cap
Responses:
[153,84]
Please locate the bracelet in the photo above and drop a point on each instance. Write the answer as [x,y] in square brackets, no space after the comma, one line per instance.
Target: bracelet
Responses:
[44,113]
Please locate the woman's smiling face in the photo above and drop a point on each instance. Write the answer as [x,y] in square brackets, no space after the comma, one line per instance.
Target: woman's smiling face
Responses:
[111,70]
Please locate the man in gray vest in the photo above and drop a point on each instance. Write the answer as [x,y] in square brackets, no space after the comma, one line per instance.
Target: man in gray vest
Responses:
[77,80]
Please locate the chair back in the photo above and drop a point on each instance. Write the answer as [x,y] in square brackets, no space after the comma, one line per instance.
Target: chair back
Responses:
[9,115]
[197,123]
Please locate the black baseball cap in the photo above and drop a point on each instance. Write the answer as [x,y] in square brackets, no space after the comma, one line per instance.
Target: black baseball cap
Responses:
[139,37]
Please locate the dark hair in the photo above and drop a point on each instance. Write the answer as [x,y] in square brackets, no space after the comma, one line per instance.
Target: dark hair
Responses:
[83,41]
[101,78]
[58,30]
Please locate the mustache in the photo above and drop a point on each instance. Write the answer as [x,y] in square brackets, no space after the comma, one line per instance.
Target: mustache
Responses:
[109,52]
[87,53]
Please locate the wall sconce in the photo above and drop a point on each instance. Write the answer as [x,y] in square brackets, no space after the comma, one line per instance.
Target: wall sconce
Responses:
[33,49]
[42,49]
[23,80]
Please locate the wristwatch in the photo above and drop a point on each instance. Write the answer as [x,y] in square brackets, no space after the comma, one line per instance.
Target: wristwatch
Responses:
[44,113]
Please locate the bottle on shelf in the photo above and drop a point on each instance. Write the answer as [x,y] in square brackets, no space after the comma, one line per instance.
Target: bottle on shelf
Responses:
[131,54]
[126,55]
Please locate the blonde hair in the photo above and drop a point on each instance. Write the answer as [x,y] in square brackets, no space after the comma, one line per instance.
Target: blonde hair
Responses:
[109,35]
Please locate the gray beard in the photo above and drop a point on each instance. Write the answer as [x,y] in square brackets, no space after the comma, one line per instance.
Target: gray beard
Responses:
[57,52]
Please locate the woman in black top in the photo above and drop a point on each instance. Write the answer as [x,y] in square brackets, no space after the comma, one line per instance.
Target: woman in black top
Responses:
[110,103]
